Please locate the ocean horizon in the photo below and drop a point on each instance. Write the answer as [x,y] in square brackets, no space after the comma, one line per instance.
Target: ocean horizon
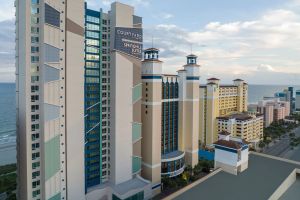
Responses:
[8,114]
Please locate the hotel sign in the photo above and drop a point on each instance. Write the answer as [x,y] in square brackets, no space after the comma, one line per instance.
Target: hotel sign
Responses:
[129,41]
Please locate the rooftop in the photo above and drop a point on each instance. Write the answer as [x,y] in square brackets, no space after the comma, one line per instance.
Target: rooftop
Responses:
[238,79]
[259,181]
[238,116]
[213,79]
[192,55]
[230,144]
[174,154]
[224,133]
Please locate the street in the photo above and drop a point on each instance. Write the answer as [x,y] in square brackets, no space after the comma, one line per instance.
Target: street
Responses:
[282,147]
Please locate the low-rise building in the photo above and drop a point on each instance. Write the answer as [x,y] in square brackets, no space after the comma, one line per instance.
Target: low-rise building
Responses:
[267,177]
[231,154]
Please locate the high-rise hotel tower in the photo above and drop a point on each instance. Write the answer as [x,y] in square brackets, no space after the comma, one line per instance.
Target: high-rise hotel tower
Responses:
[79,101]
[219,101]
[170,127]
[50,99]
[113,154]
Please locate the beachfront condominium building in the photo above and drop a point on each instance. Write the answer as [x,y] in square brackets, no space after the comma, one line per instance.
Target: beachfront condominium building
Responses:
[217,101]
[297,100]
[287,95]
[169,118]
[113,92]
[292,99]
[273,109]
[78,101]
[242,125]
[50,99]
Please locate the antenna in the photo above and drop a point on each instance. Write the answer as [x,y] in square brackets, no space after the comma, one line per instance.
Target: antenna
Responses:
[191,48]
[152,42]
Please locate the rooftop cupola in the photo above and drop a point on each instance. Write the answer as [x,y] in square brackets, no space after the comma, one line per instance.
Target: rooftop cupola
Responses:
[192,59]
[151,54]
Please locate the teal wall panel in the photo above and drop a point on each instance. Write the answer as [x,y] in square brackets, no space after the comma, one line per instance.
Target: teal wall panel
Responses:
[52,157]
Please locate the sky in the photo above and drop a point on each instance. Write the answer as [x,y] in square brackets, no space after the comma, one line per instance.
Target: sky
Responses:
[256,40]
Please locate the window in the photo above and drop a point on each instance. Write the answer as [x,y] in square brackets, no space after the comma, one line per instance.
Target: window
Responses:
[35,136]
[35,193]
[35,146]
[92,34]
[92,19]
[34,49]
[35,59]
[35,1]
[35,155]
[34,98]
[90,49]
[92,73]
[93,27]
[92,57]
[35,174]
[52,16]
[34,108]
[34,79]
[35,165]
[34,118]
[35,127]
[92,65]
[34,88]
[34,39]
[92,42]
[34,20]
[34,10]
[35,30]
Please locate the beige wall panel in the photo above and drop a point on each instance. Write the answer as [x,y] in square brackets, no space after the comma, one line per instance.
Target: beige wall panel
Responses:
[55,4]
[137,112]
[154,92]
[152,174]
[151,134]
[137,149]
[52,36]
[51,129]
[52,93]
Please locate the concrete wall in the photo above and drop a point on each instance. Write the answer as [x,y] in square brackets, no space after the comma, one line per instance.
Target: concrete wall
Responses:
[151,120]
[74,90]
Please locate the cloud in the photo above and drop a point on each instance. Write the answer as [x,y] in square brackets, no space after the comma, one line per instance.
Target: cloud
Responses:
[7,10]
[236,48]
[264,67]
[107,3]
[7,51]
[167,16]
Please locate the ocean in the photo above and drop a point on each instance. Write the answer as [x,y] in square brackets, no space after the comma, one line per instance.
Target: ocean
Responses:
[8,115]
[7,123]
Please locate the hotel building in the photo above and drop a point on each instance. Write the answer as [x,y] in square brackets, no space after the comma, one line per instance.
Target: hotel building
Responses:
[79,96]
[219,101]
[113,92]
[169,121]
[242,125]
[50,99]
